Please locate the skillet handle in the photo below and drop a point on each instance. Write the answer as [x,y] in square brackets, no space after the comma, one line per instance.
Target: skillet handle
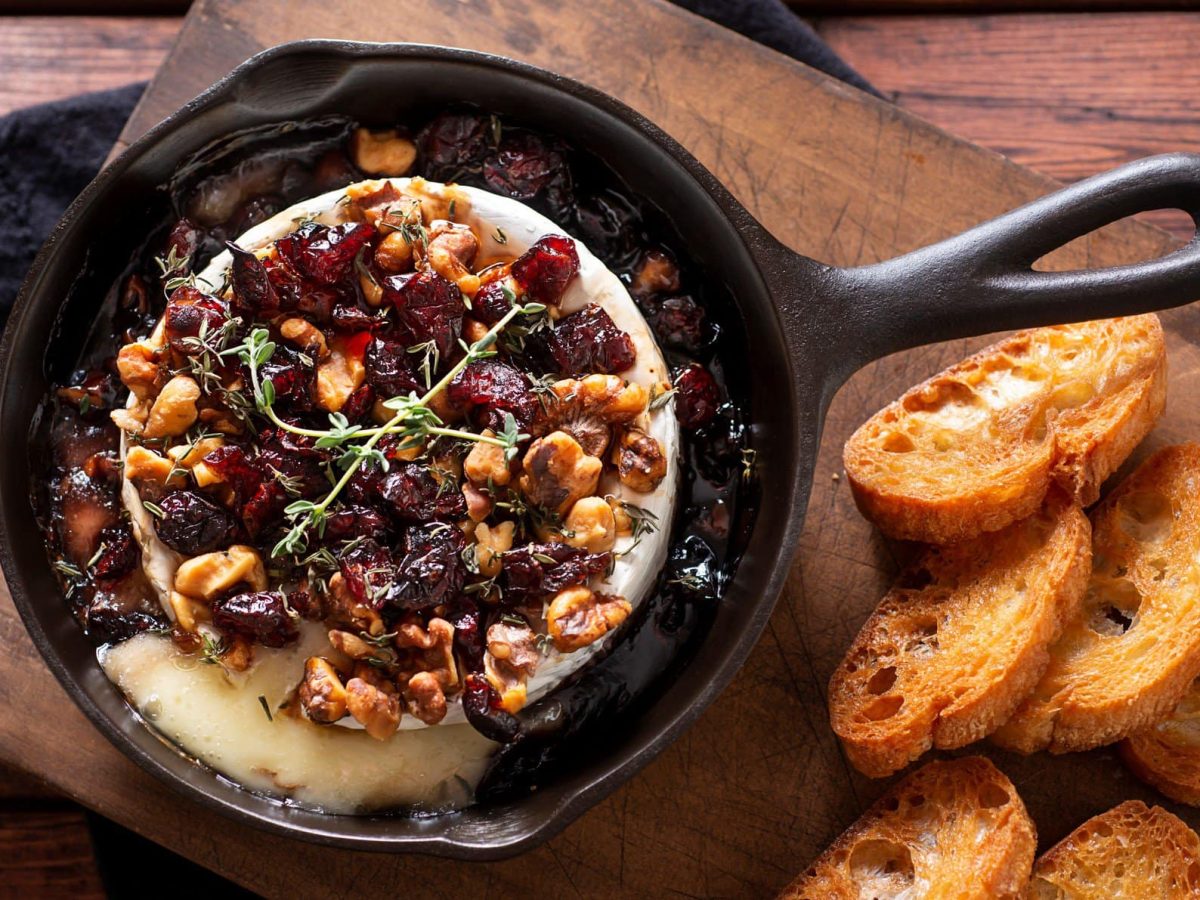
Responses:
[982,280]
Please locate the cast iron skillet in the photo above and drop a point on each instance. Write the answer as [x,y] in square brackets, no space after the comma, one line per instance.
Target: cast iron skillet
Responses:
[808,326]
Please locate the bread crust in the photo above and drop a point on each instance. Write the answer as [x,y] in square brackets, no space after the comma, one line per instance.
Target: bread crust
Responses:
[976,447]
[1167,755]
[1133,647]
[1131,851]
[960,639]
[951,829]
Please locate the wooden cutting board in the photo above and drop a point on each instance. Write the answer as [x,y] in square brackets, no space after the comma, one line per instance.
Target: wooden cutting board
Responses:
[758,786]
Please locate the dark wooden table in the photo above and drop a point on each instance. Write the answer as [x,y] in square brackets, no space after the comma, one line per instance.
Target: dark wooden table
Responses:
[1068,93]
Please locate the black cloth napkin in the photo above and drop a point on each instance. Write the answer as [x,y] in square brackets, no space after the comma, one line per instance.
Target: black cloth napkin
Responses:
[49,153]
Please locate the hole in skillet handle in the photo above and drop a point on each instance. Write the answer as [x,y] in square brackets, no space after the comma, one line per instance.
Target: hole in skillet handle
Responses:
[983,280]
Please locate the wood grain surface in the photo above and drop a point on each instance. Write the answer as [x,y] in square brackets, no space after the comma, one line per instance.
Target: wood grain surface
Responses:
[1066,94]
[51,57]
[746,797]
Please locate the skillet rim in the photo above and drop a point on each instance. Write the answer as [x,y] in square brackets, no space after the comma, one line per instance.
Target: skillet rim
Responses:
[763,252]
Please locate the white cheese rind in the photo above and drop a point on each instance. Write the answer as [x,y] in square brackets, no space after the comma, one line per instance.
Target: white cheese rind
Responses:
[506,228]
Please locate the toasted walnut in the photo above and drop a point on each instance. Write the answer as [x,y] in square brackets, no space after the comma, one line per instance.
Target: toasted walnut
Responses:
[357,648]
[485,464]
[375,707]
[305,335]
[578,617]
[372,290]
[132,419]
[587,409]
[219,419]
[344,608]
[238,654]
[187,612]
[591,525]
[204,577]
[473,330]
[491,543]
[621,517]
[339,376]
[394,253]
[657,273]
[143,465]
[174,408]
[322,694]
[138,366]
[479,504]
[558,472]
[188,455]
[641,463]
[382,152]
[451,251]
[511,658]
[425,698]
[428,649]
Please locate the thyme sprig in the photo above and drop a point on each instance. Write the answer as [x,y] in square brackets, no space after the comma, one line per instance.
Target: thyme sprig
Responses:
[413,421]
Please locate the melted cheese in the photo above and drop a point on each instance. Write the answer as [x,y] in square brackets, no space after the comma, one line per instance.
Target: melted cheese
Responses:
[218,718]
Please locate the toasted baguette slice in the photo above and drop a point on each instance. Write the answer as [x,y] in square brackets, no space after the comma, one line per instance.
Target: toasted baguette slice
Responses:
[1132,851]
[1167,755]
[976,446]
[951,829]
[1133,647]
[960,639]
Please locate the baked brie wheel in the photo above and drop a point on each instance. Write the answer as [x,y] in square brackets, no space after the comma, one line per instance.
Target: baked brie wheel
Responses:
[415,426]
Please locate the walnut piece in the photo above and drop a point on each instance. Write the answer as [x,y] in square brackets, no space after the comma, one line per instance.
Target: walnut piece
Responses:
[426,660]
[174,410]
[578,617]
[373,703]
[303,334]
[204,577]
[558,472]
[382,152]
[322,694]
[591,525]
[485,464]
[137,364]
[491,543]
[451,251]
[641,462]
[394,253]
[510,660]
[339,376]
[587,408]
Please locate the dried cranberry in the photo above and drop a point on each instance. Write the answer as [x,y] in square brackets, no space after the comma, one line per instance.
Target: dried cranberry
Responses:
[322,253]
[390,368]
[432,570]
[192,524]
[306,605]
[292,459]
[536,571]
[586,342]
[356,521]
[486,713]
[290,378]
[108,622]
[680,323]
[252,211]
[696,396]
[235,470]
[182,242]
[414,495]
[253,291]
[545,269]
[492,303]
[119,554]
[608,225]
[429,308]
[359,403]
[469,641]
[347,318]
[452,143]
[488,388]
[369,572]
[264,508]
[261,617]
[190,311]
[334,170]
[528,169]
